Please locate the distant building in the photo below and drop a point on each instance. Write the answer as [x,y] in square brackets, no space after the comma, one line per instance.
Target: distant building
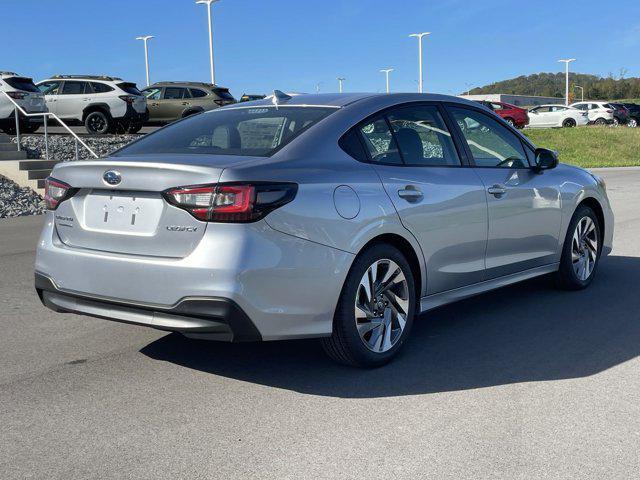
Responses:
[517,100]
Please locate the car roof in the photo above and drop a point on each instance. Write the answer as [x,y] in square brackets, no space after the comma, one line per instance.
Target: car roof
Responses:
[344,99]
[186,84]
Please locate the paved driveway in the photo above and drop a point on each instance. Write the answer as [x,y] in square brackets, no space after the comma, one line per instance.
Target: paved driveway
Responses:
[523,383]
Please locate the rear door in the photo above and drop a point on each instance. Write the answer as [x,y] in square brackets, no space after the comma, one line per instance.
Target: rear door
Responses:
[439,199]
[174,101]
[524,206]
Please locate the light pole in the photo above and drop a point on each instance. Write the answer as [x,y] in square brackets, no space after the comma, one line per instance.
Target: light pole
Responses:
[318,86]
[567,61]
[340,80]
[208,4]
[419,37]
[386,72]
[581,91]
[468,85]
[146,38]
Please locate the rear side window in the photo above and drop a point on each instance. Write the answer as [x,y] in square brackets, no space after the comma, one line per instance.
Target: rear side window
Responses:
[238,131]
[130,88]
[351,144]
[73,88]
[423,137]
[174,93]
[380,142]
[22,83]
[100,87]
[195,93]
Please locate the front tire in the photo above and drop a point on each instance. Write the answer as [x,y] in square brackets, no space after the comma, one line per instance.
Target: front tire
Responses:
[510,121]
[375,310]
[135,127]
[632,123]
[569,123]
[581,250]
[97,123]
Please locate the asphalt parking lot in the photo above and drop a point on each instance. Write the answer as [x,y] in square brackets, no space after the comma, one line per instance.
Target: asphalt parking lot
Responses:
[526,382]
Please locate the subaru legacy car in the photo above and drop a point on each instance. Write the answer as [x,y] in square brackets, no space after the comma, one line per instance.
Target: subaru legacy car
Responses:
[337,216]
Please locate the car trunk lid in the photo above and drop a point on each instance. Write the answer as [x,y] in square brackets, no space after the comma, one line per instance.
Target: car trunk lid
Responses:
[130,216]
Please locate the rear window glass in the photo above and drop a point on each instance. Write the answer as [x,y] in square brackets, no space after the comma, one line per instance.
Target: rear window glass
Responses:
[130,88]
[256,131]
[22,83]
[223,93]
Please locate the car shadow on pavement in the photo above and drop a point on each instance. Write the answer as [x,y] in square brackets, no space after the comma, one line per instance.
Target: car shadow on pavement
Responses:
[522,333]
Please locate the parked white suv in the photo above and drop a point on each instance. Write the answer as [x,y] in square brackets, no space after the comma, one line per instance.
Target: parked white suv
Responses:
[102,104]
[599,113]
[22,91]
[556,116]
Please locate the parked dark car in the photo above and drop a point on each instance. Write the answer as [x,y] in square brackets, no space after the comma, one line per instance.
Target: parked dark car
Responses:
[515,116]
[634,114]
[620,113]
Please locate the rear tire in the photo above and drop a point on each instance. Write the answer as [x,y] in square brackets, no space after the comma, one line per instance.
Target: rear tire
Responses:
[510,121]
[581,250]
[369,330]
[600,121]
[97,123]
[135,128]
[569,123]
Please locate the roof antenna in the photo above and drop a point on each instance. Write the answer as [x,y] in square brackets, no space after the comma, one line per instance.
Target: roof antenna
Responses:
[278,97]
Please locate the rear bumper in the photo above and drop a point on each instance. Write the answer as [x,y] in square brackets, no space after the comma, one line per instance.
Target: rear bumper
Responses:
[133,116]
[211,318]
[288,287]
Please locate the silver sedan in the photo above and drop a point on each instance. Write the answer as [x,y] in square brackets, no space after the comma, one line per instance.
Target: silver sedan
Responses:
[334,216]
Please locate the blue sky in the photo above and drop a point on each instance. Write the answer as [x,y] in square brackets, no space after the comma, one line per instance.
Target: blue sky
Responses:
[292,45]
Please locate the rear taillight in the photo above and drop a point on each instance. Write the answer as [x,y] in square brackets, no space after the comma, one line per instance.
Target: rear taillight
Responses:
[609,111]
[17,95]
[129,99]
[55,192]
[231,202]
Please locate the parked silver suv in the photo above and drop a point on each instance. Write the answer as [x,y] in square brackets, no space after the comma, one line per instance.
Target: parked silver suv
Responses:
[23,92]
[334,216]
[103,104]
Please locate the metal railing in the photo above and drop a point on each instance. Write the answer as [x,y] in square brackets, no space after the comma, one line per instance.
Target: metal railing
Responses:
[45,116]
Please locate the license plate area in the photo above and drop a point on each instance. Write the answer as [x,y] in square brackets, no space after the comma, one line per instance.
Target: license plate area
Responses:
[128,213]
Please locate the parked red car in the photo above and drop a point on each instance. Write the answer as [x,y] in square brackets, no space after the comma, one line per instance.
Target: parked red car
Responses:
[516,116]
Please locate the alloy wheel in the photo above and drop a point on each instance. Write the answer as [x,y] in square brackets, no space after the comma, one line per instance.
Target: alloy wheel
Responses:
[97,123]
[632,123]
[382,305]
[584,248]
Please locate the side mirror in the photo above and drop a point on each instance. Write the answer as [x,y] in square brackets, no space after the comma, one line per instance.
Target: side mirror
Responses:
[545,159]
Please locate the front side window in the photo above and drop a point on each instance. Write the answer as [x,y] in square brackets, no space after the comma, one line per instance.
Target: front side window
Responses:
[256,131]
[72,88]
[380,142]
[423,137]
[49,88]
[491,144]
[152,93]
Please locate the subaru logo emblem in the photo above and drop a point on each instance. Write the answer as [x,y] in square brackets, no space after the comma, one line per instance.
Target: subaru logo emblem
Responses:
[112,177]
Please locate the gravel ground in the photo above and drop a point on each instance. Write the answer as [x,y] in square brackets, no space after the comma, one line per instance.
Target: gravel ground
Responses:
[62,147]
[17,201]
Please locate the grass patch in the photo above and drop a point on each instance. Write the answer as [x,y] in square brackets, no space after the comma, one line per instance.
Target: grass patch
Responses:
[591,146]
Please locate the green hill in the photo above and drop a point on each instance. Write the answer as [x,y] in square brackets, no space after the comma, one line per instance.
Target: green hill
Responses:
[553,85]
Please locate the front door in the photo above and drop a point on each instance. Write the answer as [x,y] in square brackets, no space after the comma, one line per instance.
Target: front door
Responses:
[72,100]
[174,102]
[524,206]
[439,200]
[50,91]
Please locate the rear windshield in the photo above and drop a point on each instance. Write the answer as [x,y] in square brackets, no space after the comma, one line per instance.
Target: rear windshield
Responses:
[257,131]
[22,83]
[130,88]
[223,93]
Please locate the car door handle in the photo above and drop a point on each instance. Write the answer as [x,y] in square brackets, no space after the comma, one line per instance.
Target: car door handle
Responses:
[185,103]
[154,104]
[497,190]
[410,193]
